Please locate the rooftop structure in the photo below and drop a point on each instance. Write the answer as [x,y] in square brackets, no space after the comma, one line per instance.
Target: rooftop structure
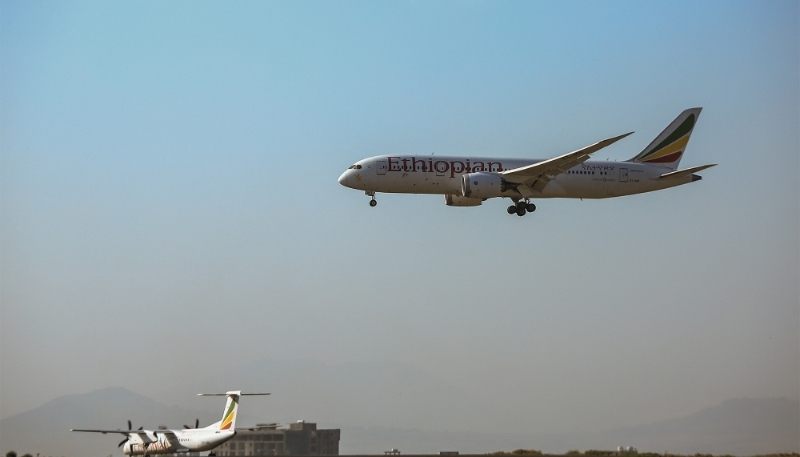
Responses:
[301,438]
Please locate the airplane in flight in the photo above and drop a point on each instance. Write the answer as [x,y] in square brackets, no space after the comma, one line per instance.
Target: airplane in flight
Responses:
[469,181]
[167,441]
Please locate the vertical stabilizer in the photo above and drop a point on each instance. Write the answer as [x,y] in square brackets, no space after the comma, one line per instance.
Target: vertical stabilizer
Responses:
[668,147]
[228,421]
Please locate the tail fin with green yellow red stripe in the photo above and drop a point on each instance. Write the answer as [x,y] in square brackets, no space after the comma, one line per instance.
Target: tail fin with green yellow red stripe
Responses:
[228,421]
[668,147]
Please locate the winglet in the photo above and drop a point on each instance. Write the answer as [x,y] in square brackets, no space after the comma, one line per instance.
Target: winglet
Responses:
[603,144]
[610,141]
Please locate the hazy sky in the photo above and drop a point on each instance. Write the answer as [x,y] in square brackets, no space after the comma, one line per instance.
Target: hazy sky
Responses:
[170,205]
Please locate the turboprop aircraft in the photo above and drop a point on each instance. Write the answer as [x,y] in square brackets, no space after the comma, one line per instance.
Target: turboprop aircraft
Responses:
[152,442]
[469,181]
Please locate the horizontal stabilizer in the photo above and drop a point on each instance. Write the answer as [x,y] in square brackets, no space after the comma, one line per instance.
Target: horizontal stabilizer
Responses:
[232,393]
[684,172]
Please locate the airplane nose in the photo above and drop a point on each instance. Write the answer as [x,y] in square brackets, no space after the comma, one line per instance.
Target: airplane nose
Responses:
[343,179]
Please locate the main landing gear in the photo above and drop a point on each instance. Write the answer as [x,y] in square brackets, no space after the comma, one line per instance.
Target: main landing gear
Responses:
[373,203]
[520,208]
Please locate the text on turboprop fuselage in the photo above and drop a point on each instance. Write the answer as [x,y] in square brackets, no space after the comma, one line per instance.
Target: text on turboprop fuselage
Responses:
[457,167]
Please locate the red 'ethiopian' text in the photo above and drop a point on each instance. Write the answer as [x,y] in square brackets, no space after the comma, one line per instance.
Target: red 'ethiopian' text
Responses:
[441,167]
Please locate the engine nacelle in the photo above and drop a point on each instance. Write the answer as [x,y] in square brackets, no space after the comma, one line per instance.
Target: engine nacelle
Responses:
[456,200]
[482,185]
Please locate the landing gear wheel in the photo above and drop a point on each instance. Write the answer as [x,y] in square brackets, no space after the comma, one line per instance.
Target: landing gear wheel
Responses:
[512,209]
[520,210]
[373,203]
[530,207]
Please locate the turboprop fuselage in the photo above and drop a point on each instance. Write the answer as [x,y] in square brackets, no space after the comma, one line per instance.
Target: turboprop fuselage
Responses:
[153,442]
[444,175]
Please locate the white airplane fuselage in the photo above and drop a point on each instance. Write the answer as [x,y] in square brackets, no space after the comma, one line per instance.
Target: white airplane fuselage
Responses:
[153,442]
[443,175]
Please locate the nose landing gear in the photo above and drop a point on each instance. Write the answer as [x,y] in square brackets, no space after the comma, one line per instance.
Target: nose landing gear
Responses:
[521,207]
[373,203]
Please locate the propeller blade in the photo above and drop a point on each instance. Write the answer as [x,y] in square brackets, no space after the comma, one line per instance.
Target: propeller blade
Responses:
[140,427]
[130,427]
[122,442]
[186,426]
[197,423]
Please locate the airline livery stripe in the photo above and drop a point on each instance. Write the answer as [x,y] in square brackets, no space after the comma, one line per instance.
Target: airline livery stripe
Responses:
[666,159]
[683,129]
[668,150]
[228,418]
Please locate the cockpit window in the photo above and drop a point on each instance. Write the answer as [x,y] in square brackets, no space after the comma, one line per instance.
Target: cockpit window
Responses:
[354,167]
[358,167]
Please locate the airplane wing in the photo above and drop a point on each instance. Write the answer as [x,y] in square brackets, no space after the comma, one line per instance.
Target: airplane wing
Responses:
[124,432]
[536,176]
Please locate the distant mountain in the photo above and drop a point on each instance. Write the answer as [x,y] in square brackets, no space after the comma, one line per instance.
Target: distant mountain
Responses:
[742,426]
[45,430]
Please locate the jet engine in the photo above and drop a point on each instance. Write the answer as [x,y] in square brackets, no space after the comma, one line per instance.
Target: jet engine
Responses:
[457,200]
[484,185]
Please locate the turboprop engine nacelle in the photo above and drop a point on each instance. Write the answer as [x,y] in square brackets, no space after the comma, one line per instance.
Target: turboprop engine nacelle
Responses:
[482,185]
[457,200]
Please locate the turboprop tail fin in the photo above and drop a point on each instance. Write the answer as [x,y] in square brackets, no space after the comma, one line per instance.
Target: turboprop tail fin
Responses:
[668,147]
[228,421]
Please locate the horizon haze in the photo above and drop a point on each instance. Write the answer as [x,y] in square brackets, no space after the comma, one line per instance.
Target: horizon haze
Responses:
[737,426]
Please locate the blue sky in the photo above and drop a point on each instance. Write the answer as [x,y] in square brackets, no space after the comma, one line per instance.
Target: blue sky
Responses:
[169,182]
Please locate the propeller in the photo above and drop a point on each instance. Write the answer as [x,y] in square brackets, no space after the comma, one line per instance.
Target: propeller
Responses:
[130,427]
[196,424]
[126,438]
